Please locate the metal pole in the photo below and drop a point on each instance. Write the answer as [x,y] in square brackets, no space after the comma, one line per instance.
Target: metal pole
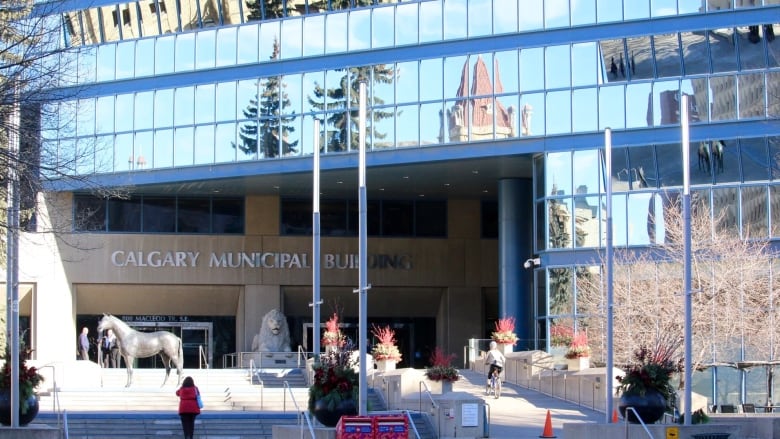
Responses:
[363,269]
[315,282]
[12,257]
[687,262]
[609,254]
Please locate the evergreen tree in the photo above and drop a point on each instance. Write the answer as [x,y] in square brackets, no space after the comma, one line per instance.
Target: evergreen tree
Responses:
[267,119]
[341,105]
[340,4]
[264,9]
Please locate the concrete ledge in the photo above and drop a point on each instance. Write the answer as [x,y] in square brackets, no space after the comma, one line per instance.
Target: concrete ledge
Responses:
[634,431]
[30,431]
[294,432]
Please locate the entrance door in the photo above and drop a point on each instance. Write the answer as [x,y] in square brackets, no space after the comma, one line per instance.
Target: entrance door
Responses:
[196,340]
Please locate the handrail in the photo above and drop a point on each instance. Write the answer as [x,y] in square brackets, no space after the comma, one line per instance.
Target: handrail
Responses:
[55,403]
[202,358]
[433,403]
[301,413]
[302,353]
[650,435]
[411,423]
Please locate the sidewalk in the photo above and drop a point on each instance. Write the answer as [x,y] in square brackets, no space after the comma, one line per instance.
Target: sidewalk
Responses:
[521,413]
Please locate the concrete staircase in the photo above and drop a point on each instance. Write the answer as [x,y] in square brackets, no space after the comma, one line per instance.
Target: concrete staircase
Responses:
[237,405]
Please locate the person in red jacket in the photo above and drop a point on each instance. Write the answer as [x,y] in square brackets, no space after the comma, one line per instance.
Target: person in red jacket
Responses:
[188,406]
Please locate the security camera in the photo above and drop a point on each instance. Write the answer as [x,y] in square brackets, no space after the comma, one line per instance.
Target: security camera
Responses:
[533,262]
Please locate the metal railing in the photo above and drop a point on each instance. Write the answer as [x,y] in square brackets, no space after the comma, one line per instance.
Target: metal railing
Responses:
[303,415]
[202,358]
[434,406]
[639,418]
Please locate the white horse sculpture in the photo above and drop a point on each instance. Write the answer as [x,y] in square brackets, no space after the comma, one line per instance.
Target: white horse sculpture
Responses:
[134,344]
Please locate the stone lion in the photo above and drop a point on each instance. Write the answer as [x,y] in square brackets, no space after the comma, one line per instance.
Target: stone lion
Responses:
[274,333]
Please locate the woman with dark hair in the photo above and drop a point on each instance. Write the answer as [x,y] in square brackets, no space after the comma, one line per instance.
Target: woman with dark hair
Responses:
[188,406]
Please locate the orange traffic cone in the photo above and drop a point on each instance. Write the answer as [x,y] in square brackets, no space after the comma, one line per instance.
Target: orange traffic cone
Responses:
[548,433]
[615,419]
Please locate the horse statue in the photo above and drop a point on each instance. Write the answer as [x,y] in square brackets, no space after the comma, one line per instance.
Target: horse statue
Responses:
[135,344]
[711,153]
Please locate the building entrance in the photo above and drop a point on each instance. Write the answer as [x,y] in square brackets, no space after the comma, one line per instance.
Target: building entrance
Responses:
[196,340]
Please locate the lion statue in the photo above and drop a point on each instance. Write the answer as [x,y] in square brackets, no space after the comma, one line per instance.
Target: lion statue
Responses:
[274,333]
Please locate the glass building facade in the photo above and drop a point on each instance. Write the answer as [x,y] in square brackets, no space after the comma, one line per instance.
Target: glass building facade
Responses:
[171,92]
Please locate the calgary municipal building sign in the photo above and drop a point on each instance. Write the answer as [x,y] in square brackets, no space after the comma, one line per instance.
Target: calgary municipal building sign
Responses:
[290,261]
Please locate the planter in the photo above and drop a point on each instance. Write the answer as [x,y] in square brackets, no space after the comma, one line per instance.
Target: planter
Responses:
[446,386]
[506,348]
[385,365]
[579,363]
[5,409]
[330,418]
[650,407]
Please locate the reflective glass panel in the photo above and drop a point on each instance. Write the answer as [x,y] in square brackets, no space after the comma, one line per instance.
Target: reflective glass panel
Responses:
[505,15]
[406,24]
[584,61]
[640,219]
[722,50]
[226,46]
[163,149]
[104,115]
[144,145]
[163,108]
[532,69]
[231,11]
[774,206]
[84,61]
[639,113]
[724,201]
[774,45]
[314,35]
[335,33]
[430,21]
[559,222]
[226,101]
[634,9]
[701,166]
[556,14]
[609,10]
[666,103]
[247,91]
[689,6]
[205,49]
[124,113]
[561,291]
[163,55]
[583,12]
[270,35]
[430,132]
[724,99]
[479,23]
[248,46]
[755,217]
[204,103]
[125,59]
[144,105]
[663,8]
[698,99]
[639,59]
[104,153]
[623,179]
[669,167]
[457,81]
[383,27]
[183,146]
[291,44]
[619,220]
[531,16]
[557,61]
[642,170]
[532,114]
[185,52]
[586,172]
[144,52]
[725,161]
[558,178]
[292,86]
[383,124]
[506,72]
[559,112]
[455,19]
[431,76]
[311,81]
[611,109]
[667,55]
[752,95]
[123,152]
[183,112]
[752,53]
[614,64]
[224,139]
[85,117]
[587,222]
[106,58]
[695,52]
[584,108]
[406,83]
[754,160]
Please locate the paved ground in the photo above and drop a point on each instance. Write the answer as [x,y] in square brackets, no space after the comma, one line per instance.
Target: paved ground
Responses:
[521,413]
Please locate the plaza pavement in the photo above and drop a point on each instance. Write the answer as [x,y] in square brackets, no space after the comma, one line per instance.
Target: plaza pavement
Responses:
[521,413]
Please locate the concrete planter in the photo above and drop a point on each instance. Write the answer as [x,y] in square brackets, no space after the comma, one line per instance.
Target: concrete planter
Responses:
[579,363]
[385,365]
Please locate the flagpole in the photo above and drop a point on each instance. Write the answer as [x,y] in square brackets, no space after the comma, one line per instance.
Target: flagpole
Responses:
[609,388]
[363,258]
[687,261]
[315,283]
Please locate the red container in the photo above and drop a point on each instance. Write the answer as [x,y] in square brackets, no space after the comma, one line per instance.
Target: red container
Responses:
[355,427]
[391,427]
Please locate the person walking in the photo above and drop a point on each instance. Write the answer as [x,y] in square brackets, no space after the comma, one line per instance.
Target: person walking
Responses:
[84,343]
[188,406]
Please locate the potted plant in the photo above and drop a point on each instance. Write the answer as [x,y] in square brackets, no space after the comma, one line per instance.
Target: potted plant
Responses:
[334,389]
[385,352]
[578,354]
[441,370]
[504,334]
[29,379]
[332,338]
[646,384]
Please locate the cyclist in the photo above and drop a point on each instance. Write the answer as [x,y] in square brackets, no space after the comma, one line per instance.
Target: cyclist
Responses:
[496,361]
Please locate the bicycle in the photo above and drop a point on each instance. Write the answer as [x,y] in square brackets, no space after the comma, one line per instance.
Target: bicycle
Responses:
[495,384]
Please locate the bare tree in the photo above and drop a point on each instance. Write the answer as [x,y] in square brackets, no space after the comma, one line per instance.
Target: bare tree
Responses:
[731,291]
